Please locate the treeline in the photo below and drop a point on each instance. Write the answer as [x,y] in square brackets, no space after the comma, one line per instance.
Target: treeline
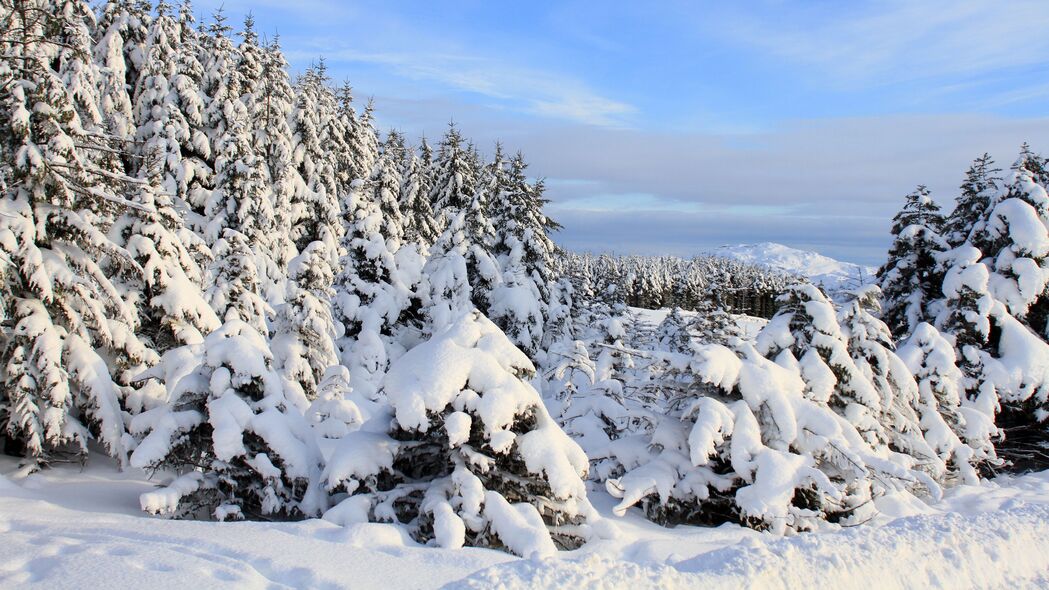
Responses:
[655,282]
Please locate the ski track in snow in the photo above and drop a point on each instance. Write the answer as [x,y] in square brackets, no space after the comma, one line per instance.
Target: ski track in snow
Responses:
[72,528]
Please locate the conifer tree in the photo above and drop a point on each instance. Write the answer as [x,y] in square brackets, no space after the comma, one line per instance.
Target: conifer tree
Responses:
[454,179]
[273,143]
[170,111]
[931,360]
[472,460]
[420,222]
[121,52]
[448,292]
[713,325]
[362,141]
[805,335]
[910,279]
[978,196]
[1016,242]
[304,331]
[236,437]
[521,245]
[370,293]
[240,201]
[315,200]
[672,333]
[904,415]
[66,309]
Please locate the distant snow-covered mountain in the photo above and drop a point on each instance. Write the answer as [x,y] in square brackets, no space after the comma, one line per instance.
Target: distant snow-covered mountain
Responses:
[822,270]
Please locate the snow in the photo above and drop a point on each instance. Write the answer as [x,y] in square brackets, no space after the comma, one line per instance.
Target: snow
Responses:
[70,527]
[822,270]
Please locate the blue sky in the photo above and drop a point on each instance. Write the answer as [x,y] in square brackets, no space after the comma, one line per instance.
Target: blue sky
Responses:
[680,126]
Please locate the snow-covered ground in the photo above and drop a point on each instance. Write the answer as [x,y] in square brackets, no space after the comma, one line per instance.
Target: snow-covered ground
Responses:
[73,528]
[651,318]
[822,270]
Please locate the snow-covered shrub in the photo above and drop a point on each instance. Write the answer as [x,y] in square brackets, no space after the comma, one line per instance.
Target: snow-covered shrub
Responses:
[472,456]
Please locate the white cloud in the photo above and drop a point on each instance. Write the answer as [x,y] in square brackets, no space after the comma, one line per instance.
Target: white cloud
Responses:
[507,85]
[896,40]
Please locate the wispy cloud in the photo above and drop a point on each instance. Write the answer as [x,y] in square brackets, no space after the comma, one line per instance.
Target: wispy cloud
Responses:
[893,40]
[505,84]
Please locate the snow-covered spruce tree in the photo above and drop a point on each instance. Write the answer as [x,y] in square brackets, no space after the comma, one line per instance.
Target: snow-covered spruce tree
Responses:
[274,137]
[927,432]
[558,325]
[482,269]
[447,292]
[169,111]
[1015,239]
[672,334]
[349,165]
[240,200]
[978,195]
[966,313]
[472,458]
[991,334]
[250,64]
[304,332]
[70,36]
[316,191]
[333,415]
[240,446]
[910,280]
[362,139]
[172,308]
[714,325]
[593,418]
[420,223]
[65,313]
[614,361]
[805,335]
[453,183]
[120,52]
[752,447]
[234,289]
[370,293]
[522,305]
[948,421]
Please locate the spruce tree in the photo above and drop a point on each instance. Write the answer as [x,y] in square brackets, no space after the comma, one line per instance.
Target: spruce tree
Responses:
[672,334]
[370,293]
[304,330]
[62,295]
[315,200]
[471,457]
[420,222]
[977,197]
[805,335]
[273,143]
[1016,242]
[911,279]
[454,179]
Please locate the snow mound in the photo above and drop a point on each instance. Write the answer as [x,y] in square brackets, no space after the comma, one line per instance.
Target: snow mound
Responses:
[822,270]
[989,550]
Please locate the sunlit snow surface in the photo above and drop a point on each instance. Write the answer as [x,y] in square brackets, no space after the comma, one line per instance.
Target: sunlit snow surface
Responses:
[73,528]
